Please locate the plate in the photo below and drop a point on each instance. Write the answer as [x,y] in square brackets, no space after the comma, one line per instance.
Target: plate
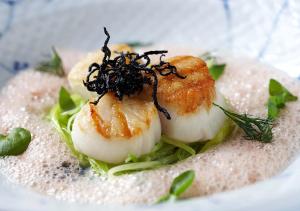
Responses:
[266,30]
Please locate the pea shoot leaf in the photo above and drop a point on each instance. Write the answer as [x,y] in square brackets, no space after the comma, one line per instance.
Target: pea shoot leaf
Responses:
[215,69]
[137,44]
[279,95]
[179,185]
[53,66]
[65,101]
[15,143]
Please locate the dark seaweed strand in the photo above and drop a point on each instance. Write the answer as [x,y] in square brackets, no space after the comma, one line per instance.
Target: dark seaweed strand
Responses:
[127,74]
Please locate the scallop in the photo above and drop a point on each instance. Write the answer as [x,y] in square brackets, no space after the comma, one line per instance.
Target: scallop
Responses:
[113,129]
[190,101]
[79,72]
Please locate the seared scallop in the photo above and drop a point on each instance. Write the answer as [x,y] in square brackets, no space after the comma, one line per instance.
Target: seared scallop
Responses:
[190,101]
[113,129]
[79,72]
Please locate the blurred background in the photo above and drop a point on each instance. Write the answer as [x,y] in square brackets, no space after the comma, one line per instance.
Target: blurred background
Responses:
[267,30]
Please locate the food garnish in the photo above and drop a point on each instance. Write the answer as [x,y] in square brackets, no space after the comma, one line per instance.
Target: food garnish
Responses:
[15,143]
[179,185]
[63,120]
[127,74]
[279,95]
[65,101]
[215,69]
[53,66]
[167,151]
[255,128]
[137,44]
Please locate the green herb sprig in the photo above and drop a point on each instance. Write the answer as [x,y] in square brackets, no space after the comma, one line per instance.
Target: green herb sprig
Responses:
[165,152]
[62,116]
[255,128]
[279,95]
[179,185]
[53,66]
[215,69]
[15,143]
[65,100]
[138,44]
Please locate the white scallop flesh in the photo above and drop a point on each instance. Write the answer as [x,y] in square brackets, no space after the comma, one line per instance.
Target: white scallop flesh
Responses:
[190,101]
[201,125]
[112,130]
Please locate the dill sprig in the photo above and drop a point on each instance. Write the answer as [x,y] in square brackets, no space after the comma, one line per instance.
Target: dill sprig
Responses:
[255,128]
[53,66]
[127,74]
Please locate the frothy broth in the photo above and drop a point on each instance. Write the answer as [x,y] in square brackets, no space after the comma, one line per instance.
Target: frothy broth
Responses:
[48,167]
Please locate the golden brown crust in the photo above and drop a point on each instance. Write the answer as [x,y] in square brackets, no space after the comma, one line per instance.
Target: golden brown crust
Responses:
[102,127]
[123,123]
[187,95]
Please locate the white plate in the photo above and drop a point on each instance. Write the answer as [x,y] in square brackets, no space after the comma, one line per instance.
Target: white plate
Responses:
[267,30]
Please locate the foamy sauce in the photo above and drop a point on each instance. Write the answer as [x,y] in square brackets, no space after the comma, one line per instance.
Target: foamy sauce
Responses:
[48,167]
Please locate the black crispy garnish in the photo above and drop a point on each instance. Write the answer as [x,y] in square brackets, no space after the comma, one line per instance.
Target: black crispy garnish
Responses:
[127,74]
[255,128]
